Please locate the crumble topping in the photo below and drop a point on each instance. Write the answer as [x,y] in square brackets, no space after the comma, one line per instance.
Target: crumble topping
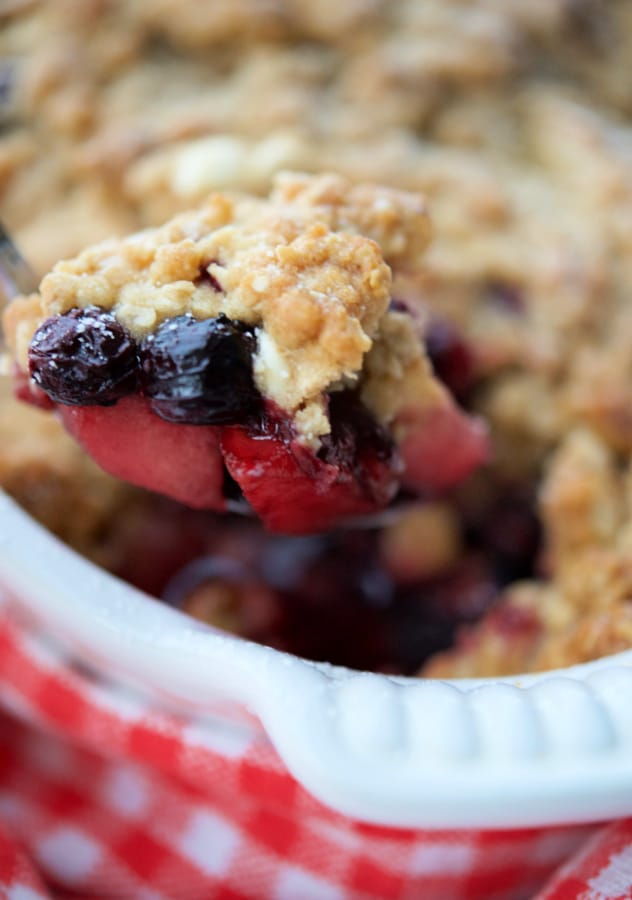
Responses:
[513,119]
[307,268]
[398,374]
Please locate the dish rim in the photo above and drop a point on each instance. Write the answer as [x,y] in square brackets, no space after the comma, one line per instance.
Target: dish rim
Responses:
[527,750]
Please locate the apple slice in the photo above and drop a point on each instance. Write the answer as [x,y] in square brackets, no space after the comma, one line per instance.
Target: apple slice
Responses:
[129,441]
[440,446]
[295,492]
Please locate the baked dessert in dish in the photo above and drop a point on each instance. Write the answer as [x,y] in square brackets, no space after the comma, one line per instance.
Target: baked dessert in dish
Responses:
[513,120]
[254,345]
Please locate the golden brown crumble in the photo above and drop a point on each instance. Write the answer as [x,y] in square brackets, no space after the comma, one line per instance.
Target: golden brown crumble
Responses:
[513,119]
[305,269]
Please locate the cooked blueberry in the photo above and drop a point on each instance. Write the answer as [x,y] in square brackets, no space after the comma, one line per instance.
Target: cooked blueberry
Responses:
[511,536]
[85,357]
[450,356]
[207,278]
[25,389]
[199,371]
[330,613]
[427,615]
[286,560]
[354,432]
[505,296]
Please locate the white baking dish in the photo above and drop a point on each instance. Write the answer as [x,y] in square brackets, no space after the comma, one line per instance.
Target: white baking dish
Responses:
[537,750]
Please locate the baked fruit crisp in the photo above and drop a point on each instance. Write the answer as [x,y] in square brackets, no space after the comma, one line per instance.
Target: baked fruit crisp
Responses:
[253,346]
[514,121]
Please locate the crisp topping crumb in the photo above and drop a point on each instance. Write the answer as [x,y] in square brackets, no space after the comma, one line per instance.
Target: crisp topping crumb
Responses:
[308,268]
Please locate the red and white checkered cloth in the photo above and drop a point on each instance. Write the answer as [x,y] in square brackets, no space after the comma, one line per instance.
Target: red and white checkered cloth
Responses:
[104,796]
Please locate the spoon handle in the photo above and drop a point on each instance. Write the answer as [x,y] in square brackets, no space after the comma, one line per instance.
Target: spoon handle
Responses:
[16,276]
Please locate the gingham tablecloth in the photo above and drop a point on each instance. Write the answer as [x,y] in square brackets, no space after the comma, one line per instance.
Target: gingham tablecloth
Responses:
[102,795]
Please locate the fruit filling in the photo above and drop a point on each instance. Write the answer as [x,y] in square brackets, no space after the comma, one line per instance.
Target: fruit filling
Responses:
[387,599]
[200,371]
[84,358]
[354,353]
[282,363]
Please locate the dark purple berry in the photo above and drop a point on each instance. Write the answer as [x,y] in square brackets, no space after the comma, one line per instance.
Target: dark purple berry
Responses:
[285,560]
[507,297]
[85,357]
[207,278]
[354,431]
[450,356]
[199,371]
[415,311]
[511,537]
[323,597]
[25,390]
[330,611]
[426,616]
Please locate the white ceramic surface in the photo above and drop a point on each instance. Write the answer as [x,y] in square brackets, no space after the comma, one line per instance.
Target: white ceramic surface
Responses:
[530,750]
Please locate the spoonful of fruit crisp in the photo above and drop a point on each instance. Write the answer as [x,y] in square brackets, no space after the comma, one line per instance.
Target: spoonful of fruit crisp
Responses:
[252,349]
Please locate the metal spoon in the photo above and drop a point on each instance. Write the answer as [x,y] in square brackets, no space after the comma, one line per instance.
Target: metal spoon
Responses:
[16,276]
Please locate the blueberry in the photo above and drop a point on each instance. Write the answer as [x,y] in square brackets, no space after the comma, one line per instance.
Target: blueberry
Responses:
[426,616]
[85,357]
[206,278]
[199,371]
[511,536]
[354,432]
[505,296]
[286,560]
[450,356]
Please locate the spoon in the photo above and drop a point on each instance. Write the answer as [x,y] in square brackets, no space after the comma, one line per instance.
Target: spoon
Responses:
[17,277]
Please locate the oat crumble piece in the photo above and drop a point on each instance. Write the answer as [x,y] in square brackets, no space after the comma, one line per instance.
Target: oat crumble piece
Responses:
[305,269]
[291,300]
